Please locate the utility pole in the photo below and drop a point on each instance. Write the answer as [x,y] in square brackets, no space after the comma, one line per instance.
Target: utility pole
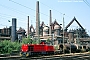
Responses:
[63,33]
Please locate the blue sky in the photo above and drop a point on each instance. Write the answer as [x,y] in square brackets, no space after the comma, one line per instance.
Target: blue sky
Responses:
[78,8]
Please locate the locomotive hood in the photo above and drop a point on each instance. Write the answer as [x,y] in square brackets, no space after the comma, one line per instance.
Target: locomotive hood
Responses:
[24,48]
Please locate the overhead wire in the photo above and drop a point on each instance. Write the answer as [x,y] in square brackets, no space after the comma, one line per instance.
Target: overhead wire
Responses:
[10,16]
[9,8]
[4,16]
[29,8]
[51,7]
[7,20]
[21,5]
[87,3]
[55,9]
[3,25]
[26,6]
[63,14]
[15,10]
[6,25]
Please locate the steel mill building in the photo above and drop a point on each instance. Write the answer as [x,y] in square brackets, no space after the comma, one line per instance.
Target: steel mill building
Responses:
[54,31]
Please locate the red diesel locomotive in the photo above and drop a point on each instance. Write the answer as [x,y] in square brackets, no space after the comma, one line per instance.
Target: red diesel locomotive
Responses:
[35,49]
[44,49]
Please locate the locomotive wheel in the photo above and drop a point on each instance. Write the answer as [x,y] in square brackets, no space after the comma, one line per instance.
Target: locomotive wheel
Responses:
[27,54]
[21,54]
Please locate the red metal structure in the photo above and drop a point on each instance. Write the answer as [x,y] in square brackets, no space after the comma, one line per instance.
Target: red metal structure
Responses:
[34,49]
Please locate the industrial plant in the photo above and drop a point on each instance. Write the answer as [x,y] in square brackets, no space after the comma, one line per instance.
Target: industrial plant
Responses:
[57,34]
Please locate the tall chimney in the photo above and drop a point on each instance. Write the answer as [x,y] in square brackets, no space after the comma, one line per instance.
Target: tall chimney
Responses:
[50,31]
[37,19]
[28,27]
[13,30]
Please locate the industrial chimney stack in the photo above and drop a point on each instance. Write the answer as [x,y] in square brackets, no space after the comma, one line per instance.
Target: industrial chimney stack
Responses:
[13,30]
[50,31]
[28,27]
[37,19]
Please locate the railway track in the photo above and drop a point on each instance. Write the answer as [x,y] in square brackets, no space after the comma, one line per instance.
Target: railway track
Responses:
[79,56]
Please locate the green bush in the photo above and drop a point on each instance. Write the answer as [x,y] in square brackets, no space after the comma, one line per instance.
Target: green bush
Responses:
[26,40]
[6,46]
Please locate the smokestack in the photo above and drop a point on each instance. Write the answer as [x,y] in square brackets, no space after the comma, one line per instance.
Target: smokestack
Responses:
[50,32]
[28,27]
[13,30]
[37,19]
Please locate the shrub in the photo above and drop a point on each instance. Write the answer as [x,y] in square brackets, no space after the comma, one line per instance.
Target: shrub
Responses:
[7,46]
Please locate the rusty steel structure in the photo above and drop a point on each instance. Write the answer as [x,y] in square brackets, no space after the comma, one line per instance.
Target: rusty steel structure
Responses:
[5,32]
[74,19]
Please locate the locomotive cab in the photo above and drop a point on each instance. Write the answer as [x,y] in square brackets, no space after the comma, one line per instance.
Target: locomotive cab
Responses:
[26,49]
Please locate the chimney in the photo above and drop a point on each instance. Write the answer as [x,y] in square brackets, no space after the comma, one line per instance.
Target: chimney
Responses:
[28,27]
[50,31]
[37,19]
[13,30]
